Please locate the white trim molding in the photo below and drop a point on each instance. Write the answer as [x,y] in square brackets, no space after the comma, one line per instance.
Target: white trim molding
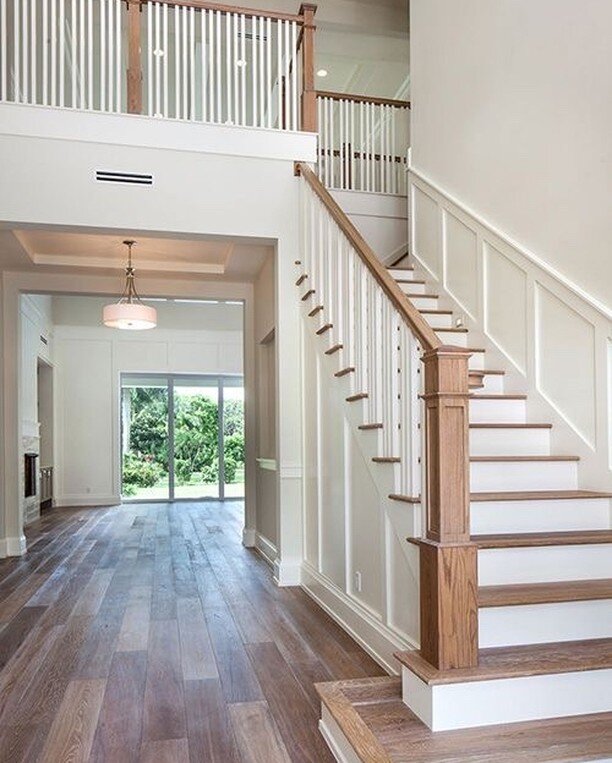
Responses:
[12,546]
[88,500]
[266,548]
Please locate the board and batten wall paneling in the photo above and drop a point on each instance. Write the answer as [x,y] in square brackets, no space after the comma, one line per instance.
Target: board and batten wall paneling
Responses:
[506,305]
[350,525]
[551,337]
[565,357]
[460,258]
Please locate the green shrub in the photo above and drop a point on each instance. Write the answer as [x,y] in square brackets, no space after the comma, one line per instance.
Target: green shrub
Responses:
[138,471]
[182,471]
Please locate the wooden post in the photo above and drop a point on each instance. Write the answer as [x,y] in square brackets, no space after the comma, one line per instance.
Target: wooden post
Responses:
[309,94]
[448,564]
[134,72]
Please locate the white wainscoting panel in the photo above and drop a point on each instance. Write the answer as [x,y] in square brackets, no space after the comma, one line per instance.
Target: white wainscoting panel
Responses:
[551,337]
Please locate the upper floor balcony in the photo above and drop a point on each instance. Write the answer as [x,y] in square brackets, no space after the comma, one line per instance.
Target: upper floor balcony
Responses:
[192,61]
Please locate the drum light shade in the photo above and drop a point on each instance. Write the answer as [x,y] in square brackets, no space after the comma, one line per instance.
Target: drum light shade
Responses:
[130,316]
[129,313]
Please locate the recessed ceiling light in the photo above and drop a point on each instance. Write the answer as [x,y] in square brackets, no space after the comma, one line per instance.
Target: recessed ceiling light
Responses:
[322,73]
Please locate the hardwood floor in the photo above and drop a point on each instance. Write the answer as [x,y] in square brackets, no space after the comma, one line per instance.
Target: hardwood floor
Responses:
[148,633]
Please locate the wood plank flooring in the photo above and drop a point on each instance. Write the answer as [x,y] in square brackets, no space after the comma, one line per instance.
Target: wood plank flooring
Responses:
[146,632]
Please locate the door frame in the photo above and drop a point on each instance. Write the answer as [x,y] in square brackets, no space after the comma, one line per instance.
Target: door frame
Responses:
[170,379]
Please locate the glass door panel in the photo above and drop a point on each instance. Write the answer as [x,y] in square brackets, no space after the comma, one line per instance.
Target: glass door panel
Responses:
[196,437]
[233,438]
[144,439]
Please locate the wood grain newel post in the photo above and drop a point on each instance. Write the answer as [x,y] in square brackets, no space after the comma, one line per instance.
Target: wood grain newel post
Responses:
[309,94]
[448,563]
[134,72]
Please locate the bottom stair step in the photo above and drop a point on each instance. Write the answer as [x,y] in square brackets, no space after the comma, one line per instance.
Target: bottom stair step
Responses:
[366,720]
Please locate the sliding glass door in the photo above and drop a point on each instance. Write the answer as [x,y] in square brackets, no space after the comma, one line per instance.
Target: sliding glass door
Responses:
[182,437]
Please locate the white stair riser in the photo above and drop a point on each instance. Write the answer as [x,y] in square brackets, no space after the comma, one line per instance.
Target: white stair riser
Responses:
[477,360]
[544,564]
[493,517]
[458,338]
[523,475]
[500,411]
[508,700]
[412,288]
[400,272]
[543,623]
[425,303]
[509,442]
[439,321]
[493,384]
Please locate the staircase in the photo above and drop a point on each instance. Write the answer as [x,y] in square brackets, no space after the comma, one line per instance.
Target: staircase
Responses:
[544,597]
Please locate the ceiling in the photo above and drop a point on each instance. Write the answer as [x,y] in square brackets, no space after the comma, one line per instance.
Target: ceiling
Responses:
[210,258]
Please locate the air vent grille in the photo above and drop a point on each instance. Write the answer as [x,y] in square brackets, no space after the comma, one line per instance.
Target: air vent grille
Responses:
[131,178]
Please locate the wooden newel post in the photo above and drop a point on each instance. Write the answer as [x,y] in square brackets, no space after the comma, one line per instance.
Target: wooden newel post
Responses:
[309,94]
[449,578]
[134,72]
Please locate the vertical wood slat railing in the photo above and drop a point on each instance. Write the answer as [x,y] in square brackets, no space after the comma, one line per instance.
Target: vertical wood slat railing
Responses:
[182,59]
[381,337]
[363,142]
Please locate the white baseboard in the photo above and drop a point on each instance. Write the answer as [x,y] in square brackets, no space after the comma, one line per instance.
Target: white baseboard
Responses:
[287,573]
[12,546]
[248,537]
[378,640]
[87,500]
[266,548]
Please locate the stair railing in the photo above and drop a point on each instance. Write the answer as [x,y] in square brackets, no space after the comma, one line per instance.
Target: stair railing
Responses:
[181,59]
[380,336]
[363,142]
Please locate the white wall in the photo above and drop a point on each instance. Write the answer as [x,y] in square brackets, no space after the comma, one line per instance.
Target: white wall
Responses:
[90,360]
[511,114]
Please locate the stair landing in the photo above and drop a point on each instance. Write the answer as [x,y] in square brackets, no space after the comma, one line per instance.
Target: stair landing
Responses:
[370,715]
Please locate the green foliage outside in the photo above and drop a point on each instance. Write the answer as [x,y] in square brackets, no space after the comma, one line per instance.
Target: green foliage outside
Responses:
[195,440]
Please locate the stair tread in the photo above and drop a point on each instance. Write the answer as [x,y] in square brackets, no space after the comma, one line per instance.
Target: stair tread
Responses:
[519,594]
[431,311]
[486,459]
[380,727]
[423,296]
[409,280]
[500,396]
[518,661]
[511,425]
[563,538]
[538,495]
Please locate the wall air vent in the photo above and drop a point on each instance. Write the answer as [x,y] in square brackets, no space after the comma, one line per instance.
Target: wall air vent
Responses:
[131,178]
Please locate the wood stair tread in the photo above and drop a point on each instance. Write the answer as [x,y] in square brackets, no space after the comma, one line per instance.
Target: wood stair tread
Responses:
[488,459]
[511,425]
[431,311]
[539,495]
[520,594]
[381,728]
[500,396]
[453,330]
[525,540]
[422,296]
[410,280]
[518,661]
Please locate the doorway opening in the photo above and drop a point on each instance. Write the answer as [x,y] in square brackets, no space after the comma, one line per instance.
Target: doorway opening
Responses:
[182,437]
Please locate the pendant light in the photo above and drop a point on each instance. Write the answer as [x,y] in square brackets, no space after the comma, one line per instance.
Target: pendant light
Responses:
[129,313]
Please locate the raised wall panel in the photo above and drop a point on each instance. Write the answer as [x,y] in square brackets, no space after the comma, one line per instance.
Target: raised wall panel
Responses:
[425,231]
[331,483]
[506,305]
[365,522]
[185,356]
[461,262]
[565,362]
[403,572]
[311,501]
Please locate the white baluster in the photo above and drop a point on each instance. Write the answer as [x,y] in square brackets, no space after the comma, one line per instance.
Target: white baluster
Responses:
[90,55]
[151,10]
[294,67]
[243,70]
[218,71]
[166,61]
[82,43]
[192,64]
[155,57]
[269,76]
[33,53]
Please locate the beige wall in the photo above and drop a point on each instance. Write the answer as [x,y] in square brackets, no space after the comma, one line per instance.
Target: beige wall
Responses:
[511,114]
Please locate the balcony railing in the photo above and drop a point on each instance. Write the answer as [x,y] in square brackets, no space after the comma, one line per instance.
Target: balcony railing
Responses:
[363,142]
[181,59]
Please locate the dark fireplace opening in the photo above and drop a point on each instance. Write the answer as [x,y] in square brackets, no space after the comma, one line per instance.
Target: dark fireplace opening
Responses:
[30,474]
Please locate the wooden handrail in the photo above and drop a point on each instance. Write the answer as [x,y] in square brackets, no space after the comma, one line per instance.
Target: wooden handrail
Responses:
[223,8]
[417,324]
[363,99]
